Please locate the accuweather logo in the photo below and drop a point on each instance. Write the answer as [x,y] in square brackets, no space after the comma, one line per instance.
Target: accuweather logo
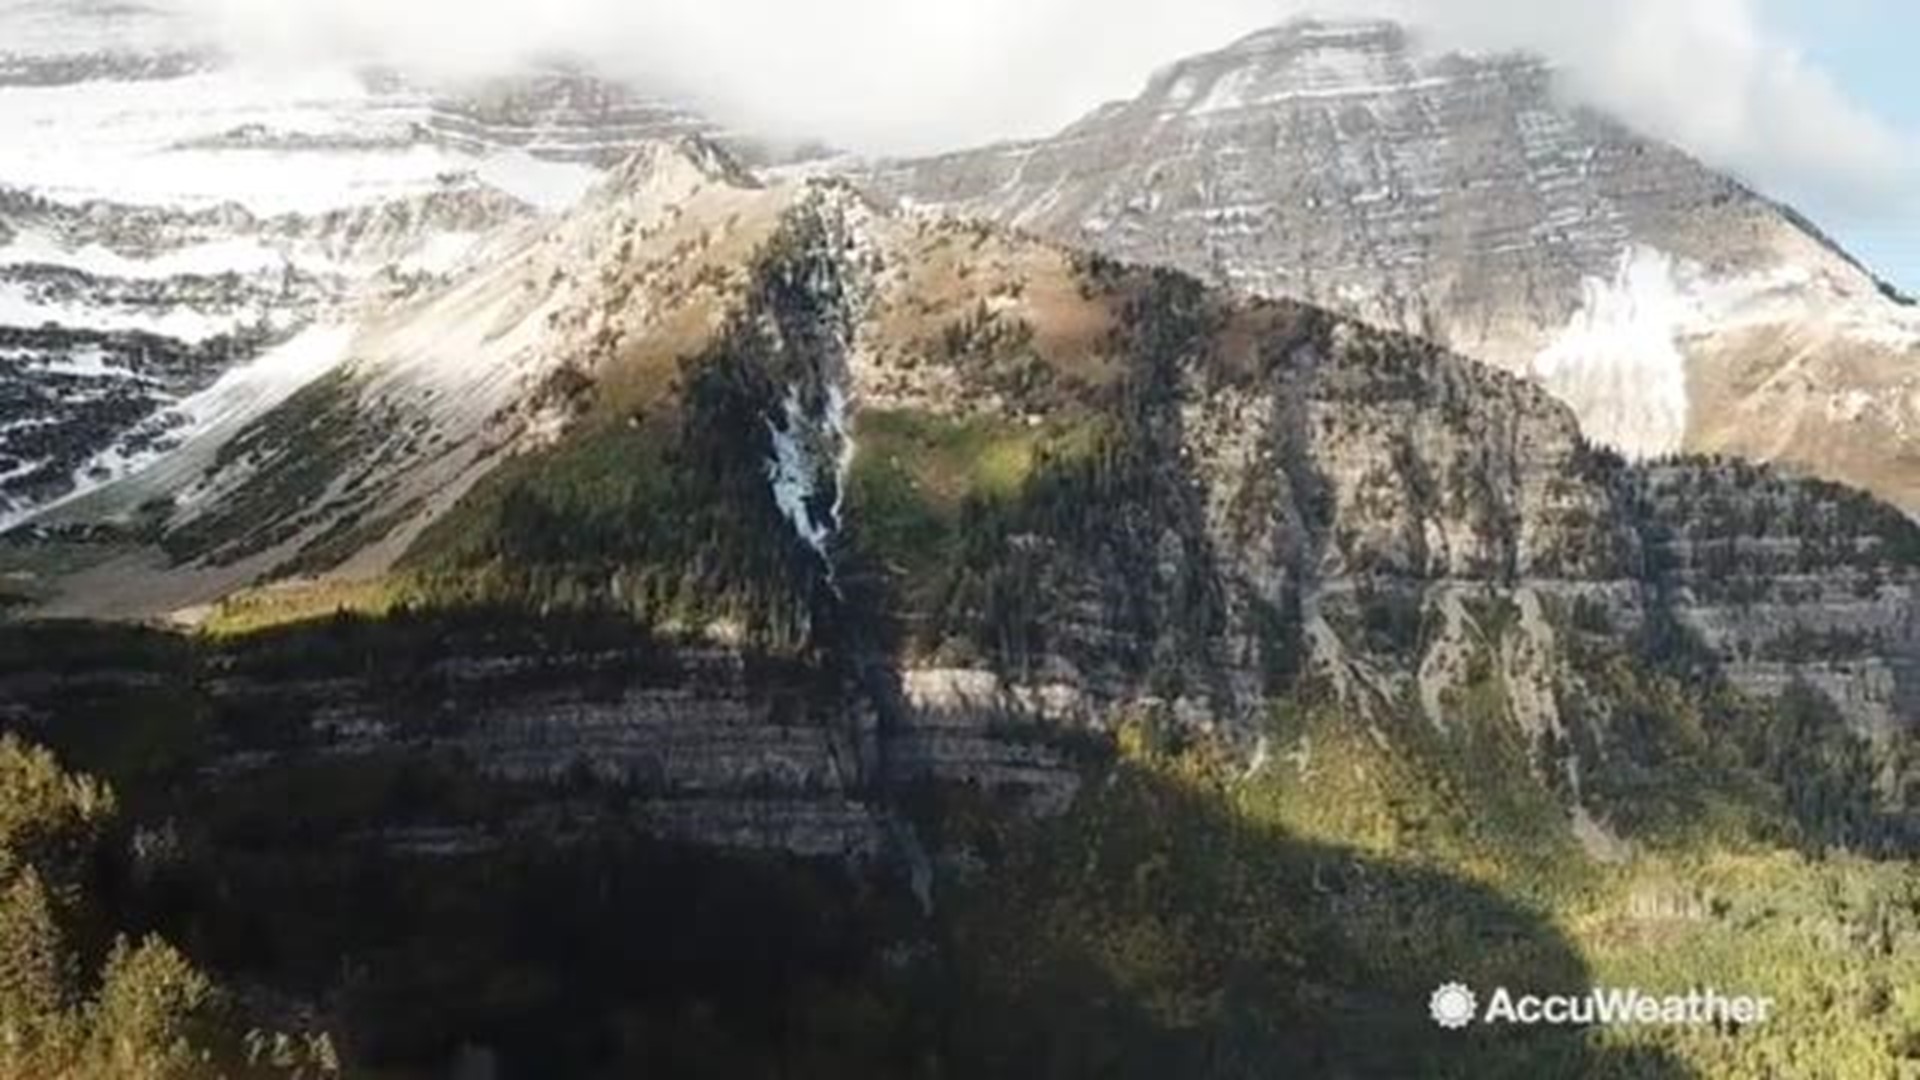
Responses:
[1454,1006]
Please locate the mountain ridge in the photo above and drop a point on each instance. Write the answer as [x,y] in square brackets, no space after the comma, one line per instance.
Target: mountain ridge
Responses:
[1430,471]
[220,219]
[1455,197]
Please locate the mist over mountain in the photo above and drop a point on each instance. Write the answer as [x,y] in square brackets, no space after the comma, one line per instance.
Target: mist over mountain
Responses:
[1719,78]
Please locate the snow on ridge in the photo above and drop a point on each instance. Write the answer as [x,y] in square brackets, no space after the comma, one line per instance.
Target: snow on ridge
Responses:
[1323,33]
[1230,93]
[270,378]
[1322,74]
[201,140]
[148,144]
[212,258]
[53,29]
[19,309]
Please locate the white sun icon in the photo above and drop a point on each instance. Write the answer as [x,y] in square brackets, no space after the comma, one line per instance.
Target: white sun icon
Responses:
[1453,1006]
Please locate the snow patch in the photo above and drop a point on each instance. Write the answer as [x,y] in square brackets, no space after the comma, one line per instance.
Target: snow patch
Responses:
[1619,363]
[18,308]
[548,185]
[440,254]
[1229,92]
[211,259]
[25,468]
[811,450]
[1183,90]
[27,423]
[85,363]
[1884,324]
[270,378]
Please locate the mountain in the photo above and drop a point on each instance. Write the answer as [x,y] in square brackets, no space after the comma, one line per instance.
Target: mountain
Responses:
[185,237]
[549,600]
[132,329]
[1254,472]
[734,626]
[1459,197]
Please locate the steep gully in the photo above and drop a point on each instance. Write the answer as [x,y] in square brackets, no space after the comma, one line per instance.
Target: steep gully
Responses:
[812,446]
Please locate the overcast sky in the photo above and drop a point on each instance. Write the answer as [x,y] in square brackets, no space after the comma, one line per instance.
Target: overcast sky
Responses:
[1812,100]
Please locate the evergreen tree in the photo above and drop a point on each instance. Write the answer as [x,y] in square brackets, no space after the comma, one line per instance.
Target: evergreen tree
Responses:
[139,1027]
[33,979]
[150,999]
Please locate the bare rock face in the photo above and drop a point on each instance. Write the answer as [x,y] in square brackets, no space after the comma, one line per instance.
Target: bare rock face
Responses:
[570,114]
[1457,198]
[708,746]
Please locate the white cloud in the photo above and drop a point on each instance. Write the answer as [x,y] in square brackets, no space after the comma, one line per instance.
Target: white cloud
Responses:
[918,75]
[1710,76]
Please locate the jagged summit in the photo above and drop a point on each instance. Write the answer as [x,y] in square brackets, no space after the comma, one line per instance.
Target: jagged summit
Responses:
[674,169]
[1458,197]
[1308,54]
[711,158]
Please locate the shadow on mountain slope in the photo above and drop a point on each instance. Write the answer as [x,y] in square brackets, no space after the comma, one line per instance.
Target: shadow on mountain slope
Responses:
[1154,932]
[1151,931]
[1148,934]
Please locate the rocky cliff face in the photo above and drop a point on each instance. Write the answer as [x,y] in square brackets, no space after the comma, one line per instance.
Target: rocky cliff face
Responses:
[1458,198]
[1789,585]
[705,745]
[1293,495]
[570,114]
